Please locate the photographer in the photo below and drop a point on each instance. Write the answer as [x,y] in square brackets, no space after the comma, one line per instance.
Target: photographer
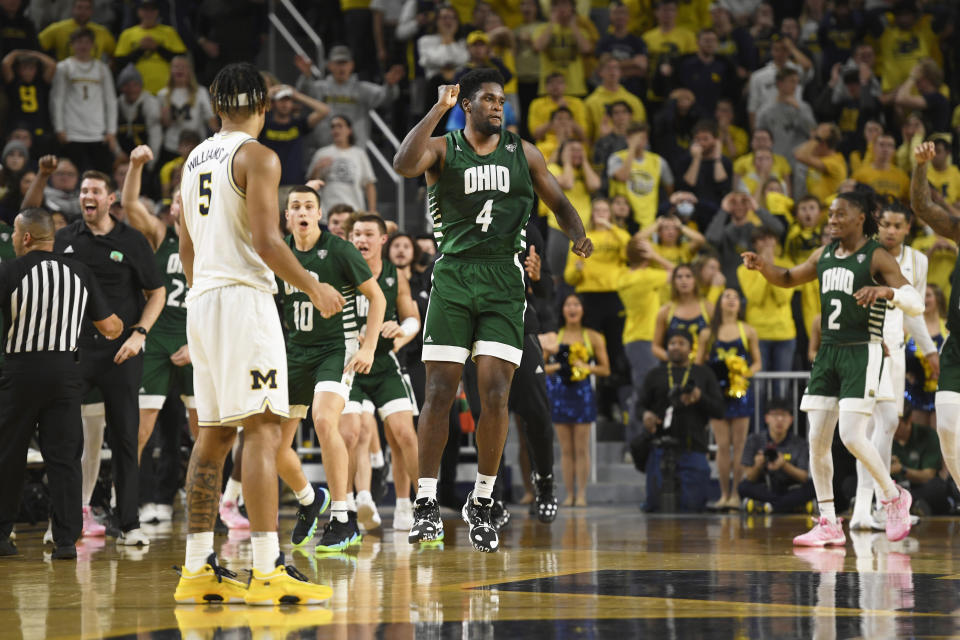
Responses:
[775,465]
[678,399]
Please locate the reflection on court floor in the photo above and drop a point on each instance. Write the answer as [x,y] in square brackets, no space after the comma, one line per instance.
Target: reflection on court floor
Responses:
[595,573]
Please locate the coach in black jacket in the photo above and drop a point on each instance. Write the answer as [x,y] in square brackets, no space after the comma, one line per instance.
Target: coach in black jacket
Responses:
[46,298]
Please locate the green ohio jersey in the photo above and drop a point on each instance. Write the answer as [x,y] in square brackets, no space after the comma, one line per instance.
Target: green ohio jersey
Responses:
[842,320]
[953,313]
[6,243]
[339,264]
[480,204]
[388,284]
[173,318]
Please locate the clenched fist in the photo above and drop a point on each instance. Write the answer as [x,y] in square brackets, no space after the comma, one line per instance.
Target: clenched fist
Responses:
[447,95]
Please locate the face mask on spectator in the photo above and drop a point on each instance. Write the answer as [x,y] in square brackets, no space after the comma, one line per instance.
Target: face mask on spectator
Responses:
[685,208]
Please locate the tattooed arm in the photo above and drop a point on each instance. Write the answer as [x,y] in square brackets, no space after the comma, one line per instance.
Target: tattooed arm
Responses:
[939,218]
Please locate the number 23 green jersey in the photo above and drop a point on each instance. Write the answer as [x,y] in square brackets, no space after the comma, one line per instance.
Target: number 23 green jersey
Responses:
[480,204]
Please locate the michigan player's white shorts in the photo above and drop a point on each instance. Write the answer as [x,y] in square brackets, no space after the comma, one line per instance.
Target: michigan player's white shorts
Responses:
[239,358]
[892,379]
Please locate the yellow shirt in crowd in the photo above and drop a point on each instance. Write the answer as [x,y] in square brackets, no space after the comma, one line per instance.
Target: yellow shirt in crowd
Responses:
[56,38]
[741,141]
[563,56]
[947,182]
[602,271]
[768,306]
[643,188]
[639,292]
[891,181]
[154,68]
[596,104]
[579,197]
[824,185]
[899,50]
[940,263]
[678,42]
[540,110]
[744,165]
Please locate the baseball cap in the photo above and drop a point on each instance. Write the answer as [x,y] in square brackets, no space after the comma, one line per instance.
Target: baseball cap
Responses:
[478,36]
[340,53]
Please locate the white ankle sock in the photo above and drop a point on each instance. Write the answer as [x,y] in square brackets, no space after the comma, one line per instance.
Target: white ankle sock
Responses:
[338,510]
[266,550]
[376,459]
[199,548]
[232,492]
[364,496]
[403,503]
[827,511]
[483,486]
[427,488]
[306,495]
[351,502]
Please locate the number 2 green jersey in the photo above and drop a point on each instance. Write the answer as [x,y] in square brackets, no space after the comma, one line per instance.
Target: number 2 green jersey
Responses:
[480,204]
[173,318]
[339,264]
[388,284]
[842,320]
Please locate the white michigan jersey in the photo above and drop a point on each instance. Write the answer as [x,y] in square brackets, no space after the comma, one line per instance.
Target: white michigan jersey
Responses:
[913,265]
[215,214]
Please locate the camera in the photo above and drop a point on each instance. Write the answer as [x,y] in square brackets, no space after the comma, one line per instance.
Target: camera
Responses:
[770,453]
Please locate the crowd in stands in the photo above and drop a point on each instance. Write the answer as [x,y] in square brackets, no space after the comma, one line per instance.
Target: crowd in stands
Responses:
[683,131]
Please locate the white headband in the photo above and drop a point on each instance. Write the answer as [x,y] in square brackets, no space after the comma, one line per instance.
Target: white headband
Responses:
[243,99]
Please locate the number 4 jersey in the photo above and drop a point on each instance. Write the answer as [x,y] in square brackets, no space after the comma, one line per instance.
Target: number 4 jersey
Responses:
[339,264]
[842,320]
[480,204]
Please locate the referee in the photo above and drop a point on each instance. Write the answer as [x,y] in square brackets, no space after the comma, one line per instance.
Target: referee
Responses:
[45,298]
[122,261]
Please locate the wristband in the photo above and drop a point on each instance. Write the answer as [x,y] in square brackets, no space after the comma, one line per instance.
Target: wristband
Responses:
[409,326]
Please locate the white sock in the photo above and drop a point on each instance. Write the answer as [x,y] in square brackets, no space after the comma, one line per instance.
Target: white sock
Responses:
[364,496]
[338,510]
[403,503]
[822,425]
[427,489]
[827,511]
[266,550]
[376,459]
[483,486]
[93,427]
[351,502]
[886,420]
[199,548]
[853,432]
[306,495]
[232,492]
[948,423]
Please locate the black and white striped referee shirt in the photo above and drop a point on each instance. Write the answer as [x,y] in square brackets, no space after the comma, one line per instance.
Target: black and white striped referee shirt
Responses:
[45,299]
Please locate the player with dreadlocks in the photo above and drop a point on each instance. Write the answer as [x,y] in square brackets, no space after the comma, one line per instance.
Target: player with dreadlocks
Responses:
[844,381]
[230,247]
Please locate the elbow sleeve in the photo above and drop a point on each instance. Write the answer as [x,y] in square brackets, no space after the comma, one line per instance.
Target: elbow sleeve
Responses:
[907,299]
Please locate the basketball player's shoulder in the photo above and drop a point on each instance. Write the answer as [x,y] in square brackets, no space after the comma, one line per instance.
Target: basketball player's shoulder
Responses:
[253,158]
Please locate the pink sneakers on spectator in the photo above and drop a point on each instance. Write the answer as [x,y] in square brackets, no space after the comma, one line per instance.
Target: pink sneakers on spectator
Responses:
[898,515]
[822,534]
[231,516]
[91,528]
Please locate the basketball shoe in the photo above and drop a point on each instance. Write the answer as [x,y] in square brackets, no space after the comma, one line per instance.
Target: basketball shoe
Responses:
[822,534]
[427,525]
[476,513]
[211,584]
[337,536]
[546,499]
[307,516]
[284,585]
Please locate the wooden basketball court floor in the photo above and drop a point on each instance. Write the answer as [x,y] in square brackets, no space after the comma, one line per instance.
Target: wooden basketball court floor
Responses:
[597,572]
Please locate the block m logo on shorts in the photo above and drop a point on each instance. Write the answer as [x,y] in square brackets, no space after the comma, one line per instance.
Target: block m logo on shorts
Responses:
[259,379]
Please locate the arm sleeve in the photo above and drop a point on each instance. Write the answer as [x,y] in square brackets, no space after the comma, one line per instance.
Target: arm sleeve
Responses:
[772,221]
[907,298]
[714,232]
[916,325]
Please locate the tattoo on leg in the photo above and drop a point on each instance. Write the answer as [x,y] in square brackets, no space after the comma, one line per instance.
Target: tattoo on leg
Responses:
[203,494]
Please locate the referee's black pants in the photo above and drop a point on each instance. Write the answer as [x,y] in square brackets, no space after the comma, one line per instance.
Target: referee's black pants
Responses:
[119,385]
[528,399]
[42,389]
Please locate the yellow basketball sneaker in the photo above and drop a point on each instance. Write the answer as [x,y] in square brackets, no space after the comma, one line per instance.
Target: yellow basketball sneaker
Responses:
[212,584]
[285,585]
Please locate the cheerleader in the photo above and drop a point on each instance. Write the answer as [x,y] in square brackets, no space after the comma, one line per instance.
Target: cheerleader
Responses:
[686,311]
[730,347]
[573,403]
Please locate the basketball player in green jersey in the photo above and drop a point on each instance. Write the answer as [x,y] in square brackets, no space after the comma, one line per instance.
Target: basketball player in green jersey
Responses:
[385,385]
[846,373]
[947,225]
[481,182]
[322,358]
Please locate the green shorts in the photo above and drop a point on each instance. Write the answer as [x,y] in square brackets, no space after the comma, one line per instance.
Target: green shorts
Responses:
[159,372]
[385,387]
[475,308]
[948,387]
[312,370]
[845,377]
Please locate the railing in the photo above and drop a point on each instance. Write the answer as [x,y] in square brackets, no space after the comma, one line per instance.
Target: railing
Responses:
[316,68]
[795,379]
